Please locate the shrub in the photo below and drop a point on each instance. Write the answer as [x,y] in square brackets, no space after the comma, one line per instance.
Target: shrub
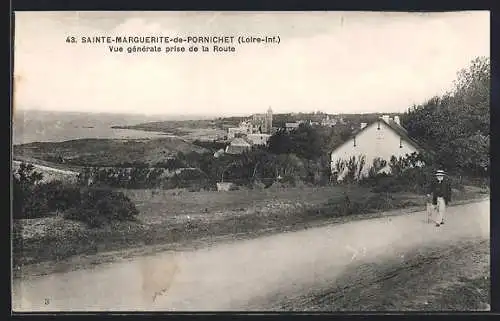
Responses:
[351,169]
[18,196]
[43,199]
[27,199]
[193,179]
[211,145]
[59,196]
[171,164]
[377,166]
[35,205]
[99,207]
[374,203]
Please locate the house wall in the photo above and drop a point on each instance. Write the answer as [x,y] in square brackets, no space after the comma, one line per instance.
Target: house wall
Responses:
[237,146]
[372,143]
[234,131]
[260,120]
[259,139]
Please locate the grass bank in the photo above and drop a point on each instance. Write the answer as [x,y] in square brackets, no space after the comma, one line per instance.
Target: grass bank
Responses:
[105,152]
[170,217]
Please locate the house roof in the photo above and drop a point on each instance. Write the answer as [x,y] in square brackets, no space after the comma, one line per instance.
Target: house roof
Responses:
[240,141]
[403,133]
[399,130]
[231,149]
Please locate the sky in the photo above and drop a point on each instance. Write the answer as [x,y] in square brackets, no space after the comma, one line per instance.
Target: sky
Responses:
[334,62]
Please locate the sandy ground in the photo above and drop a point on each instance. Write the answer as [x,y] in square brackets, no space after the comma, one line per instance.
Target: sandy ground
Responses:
[50,173]
[296,270]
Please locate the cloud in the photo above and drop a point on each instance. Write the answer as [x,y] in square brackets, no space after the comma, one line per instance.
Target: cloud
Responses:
[369,62]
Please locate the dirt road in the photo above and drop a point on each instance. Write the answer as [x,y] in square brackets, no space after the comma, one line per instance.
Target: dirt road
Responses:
[335,267]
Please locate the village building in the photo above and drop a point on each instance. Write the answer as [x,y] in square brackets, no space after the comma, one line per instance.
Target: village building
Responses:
[219,153]
[328,122]
[263,123]
[258,139]
[244,128]
[292,126]
[258,124]
[381,139]
[238,146]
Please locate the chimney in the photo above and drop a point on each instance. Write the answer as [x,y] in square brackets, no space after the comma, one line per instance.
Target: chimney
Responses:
[363,125]
[397,121]
[386,118]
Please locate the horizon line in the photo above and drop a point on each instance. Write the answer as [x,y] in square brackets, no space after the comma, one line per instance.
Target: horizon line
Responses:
[202,115]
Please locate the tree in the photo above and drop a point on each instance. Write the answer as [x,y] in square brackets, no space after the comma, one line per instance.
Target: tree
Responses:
[456,125]
[23,187]
[305,141]
[280,142]
[27,175]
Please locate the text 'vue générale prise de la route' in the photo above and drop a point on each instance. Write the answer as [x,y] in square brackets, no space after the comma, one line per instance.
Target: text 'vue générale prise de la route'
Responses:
[166,44]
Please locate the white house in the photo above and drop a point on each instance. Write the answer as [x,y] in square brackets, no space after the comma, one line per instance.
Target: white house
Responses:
[244,128]
[383,139]
[329,122]
[292,126]
[219,153]
[238,146]
[258,139]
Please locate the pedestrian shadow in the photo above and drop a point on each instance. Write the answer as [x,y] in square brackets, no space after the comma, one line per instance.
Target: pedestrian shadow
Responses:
[424,221]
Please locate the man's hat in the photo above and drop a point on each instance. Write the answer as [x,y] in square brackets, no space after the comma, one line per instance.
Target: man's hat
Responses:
[440,173]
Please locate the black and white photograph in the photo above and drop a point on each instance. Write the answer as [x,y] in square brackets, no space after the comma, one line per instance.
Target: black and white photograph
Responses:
[204,161]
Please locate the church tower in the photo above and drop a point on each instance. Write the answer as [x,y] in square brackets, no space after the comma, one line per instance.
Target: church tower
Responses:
[269,120]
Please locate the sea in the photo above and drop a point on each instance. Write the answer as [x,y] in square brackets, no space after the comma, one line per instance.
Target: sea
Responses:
[30,126]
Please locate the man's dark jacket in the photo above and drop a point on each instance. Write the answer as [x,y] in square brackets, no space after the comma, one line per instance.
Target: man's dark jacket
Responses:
[441,189]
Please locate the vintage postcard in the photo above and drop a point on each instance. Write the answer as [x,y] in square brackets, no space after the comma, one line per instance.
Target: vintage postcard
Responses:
[251,161]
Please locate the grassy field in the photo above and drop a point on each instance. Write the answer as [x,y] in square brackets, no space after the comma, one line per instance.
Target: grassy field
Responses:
[106,152]
[177,216]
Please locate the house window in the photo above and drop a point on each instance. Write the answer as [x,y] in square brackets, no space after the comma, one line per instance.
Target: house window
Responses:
[354,141]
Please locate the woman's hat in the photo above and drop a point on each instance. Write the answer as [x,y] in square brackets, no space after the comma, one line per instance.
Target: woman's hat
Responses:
[440,173]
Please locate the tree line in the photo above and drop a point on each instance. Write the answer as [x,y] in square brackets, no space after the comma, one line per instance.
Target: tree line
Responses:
[457,125]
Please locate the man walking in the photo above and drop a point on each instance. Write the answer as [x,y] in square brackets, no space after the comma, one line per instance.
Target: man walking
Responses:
[441,196]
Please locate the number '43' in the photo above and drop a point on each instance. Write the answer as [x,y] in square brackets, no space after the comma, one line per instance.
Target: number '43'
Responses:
[71,40]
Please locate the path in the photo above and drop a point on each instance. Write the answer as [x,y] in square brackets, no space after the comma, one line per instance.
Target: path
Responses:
[46,168]
[230,276]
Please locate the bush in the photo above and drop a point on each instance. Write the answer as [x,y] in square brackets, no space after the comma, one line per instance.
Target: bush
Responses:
[18,196]
[34,205]
[211,145]
[99,207]
[415,180]
[375,203]
[171,164]
[32,199]
[59,196]
[377,166]
[28,199]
